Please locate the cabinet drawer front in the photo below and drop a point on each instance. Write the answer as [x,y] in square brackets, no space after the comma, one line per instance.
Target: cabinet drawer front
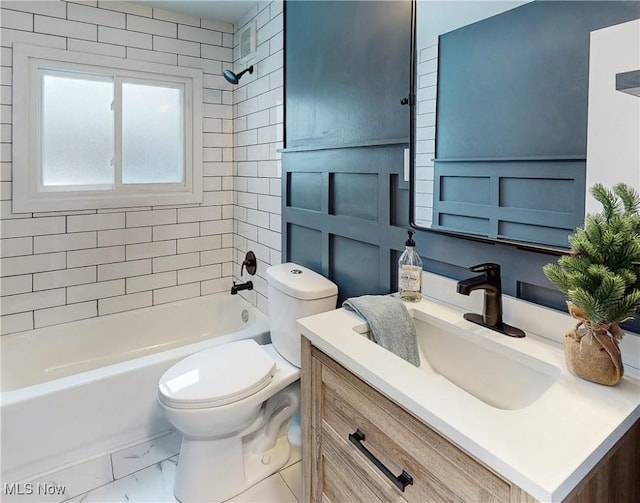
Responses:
[345,479]
[440,470]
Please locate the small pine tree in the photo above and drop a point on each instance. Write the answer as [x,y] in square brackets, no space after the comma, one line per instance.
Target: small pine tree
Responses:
[601,276]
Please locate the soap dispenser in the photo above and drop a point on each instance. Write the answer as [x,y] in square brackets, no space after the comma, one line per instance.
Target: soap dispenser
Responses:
[410,272]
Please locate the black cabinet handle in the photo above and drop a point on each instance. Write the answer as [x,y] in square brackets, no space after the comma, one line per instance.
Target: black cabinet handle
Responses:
[401,481]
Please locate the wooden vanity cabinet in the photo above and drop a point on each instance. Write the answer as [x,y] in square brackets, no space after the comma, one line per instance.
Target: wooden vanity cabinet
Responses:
[359,446]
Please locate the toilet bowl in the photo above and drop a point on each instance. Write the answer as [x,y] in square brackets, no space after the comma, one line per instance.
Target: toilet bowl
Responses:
[233,403]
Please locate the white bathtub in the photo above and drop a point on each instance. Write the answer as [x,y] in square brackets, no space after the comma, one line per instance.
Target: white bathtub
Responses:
[75,391]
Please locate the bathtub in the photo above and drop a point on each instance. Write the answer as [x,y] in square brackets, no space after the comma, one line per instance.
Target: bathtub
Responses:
[75,391]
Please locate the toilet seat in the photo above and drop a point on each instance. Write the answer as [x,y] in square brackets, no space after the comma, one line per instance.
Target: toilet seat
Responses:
[217,376]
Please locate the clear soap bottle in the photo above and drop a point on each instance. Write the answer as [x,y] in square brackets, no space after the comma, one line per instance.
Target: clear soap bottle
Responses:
[410,272]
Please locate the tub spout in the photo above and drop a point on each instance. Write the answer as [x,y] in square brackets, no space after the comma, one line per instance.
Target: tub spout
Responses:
[241,286]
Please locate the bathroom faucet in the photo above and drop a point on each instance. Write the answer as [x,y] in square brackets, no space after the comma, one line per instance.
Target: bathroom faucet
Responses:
[251,264]
[490,282]
[241,286]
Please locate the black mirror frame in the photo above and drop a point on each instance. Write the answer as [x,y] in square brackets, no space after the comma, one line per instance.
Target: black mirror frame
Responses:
[522,245]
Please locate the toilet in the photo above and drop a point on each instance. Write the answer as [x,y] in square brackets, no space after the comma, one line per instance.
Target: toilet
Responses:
[233,403]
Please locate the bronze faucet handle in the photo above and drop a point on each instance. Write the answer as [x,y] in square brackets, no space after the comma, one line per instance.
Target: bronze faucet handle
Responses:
[250,263]
[486,267]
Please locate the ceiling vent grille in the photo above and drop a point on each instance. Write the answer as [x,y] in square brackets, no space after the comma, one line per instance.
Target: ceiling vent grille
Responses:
[247,42]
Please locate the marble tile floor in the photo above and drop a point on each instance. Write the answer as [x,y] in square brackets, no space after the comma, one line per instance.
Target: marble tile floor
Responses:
[155,485]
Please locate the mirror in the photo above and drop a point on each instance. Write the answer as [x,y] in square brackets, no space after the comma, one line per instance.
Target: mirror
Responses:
[504,91]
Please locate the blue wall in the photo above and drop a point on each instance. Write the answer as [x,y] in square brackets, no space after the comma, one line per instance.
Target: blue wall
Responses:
[345,205]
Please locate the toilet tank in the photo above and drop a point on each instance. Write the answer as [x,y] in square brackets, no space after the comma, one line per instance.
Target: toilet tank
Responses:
[295,292]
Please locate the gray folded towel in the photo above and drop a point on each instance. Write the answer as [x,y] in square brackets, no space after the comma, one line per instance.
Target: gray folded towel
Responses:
[390,324]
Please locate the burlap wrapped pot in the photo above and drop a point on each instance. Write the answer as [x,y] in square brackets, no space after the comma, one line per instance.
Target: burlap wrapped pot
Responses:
[591,350]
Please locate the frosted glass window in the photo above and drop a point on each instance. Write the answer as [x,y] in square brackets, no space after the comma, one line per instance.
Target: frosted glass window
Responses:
[152,134]
[94,131]
[77,141]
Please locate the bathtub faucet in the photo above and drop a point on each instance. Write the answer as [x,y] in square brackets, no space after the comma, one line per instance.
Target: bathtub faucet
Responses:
[248,285]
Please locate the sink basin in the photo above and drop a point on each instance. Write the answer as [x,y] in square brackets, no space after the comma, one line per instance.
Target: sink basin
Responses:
[498,375]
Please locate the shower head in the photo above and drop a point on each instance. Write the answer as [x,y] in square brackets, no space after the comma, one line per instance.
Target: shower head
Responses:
[233,78]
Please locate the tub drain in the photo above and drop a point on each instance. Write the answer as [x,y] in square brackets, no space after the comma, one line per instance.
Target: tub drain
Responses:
[245,315]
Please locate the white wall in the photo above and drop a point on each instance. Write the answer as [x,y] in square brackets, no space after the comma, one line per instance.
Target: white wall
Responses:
[258,113]
[57,267]
[613,131]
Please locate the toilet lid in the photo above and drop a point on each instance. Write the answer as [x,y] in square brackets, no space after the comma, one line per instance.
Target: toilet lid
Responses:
[217,376]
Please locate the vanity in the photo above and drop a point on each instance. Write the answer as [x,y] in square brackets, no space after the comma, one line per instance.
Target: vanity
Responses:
[485,418]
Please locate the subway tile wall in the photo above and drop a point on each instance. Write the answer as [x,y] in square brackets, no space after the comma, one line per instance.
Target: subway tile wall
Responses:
[258,111]
[57,267]
[426,94]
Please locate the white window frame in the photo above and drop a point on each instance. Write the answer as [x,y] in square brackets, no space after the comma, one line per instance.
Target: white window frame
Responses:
[28,193]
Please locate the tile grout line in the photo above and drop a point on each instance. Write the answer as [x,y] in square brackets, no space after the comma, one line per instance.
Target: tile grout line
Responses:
[286,484]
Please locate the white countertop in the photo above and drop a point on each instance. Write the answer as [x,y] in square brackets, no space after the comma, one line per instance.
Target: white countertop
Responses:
[546,448]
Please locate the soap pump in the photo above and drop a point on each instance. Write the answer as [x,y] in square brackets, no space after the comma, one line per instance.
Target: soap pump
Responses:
[410,272]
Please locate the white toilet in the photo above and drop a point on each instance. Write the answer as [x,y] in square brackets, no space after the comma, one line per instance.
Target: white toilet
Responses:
[233,403]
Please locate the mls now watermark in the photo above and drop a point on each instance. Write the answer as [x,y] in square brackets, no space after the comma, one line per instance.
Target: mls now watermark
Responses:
[29,488]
